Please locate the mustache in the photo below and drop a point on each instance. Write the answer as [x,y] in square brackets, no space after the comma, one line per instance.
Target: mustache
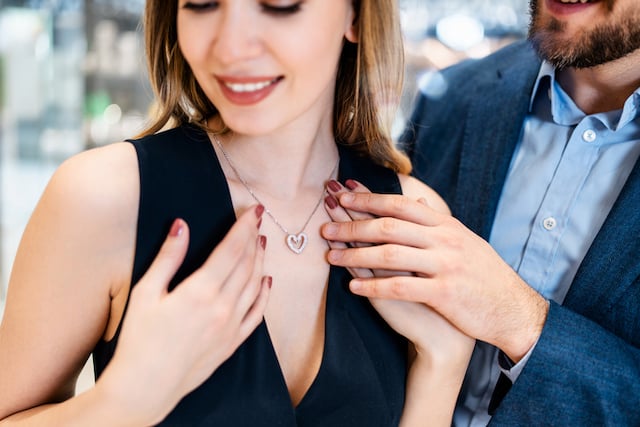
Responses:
[533,5]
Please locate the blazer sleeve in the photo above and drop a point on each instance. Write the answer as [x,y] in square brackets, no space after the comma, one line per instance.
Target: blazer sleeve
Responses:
[579,374]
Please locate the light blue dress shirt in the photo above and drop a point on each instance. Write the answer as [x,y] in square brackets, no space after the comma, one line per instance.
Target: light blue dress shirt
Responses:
[566,173]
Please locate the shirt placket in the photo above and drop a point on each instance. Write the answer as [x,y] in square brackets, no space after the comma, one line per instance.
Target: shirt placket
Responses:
[556,209]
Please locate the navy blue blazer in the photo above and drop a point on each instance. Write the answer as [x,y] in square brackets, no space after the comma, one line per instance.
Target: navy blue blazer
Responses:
[585,369]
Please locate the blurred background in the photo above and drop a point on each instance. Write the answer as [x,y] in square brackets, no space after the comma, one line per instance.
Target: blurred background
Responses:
[72,78]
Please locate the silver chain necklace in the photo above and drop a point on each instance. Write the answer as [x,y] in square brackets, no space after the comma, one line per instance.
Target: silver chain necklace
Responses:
[295,241]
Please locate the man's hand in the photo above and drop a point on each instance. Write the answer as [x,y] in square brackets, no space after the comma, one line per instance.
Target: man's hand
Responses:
[457,273]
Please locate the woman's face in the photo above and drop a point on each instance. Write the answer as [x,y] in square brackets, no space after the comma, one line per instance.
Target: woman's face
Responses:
[266,63]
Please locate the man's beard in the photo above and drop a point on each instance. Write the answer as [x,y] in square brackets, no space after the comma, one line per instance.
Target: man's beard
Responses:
[604,43]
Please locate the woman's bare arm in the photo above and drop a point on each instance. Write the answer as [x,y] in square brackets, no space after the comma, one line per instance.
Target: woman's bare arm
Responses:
[75,263]
[74,258]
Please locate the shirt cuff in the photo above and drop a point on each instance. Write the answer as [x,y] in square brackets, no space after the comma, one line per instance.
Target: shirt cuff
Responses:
[509,368]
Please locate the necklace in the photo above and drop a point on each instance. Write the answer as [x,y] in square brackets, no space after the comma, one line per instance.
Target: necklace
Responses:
[295,241]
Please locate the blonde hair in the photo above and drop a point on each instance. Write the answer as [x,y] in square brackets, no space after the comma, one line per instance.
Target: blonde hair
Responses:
[368,86]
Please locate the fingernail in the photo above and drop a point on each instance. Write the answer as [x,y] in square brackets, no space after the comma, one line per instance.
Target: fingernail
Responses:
[263,241]
[176,228]
[331,202]
[351,184]
[269,280]
[334,185]
[330,230]
[334,255]
[259,211]
[347,198]
[259,224]
[355,285]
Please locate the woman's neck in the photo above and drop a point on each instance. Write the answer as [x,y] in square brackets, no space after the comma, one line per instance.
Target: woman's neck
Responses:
[283,165]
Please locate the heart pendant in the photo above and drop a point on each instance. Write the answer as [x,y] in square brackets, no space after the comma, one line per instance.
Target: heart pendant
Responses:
[297,242]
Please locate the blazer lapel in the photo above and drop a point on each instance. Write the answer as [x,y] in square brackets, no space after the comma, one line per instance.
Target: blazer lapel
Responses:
[491,134]
[611,265]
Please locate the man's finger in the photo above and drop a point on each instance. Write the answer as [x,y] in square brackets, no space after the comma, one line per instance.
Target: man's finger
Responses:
[386,257]
[392,205]
[355,271]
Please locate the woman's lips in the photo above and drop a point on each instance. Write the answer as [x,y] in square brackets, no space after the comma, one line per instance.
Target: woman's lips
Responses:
[247,90]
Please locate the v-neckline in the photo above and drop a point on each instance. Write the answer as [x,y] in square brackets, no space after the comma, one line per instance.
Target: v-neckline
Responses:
[263,325]
[321,368]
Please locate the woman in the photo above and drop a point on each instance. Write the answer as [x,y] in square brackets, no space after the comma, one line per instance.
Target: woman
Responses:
[234,317]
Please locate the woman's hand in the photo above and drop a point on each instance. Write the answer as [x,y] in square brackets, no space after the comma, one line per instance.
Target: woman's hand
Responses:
[172,342]
[433,336]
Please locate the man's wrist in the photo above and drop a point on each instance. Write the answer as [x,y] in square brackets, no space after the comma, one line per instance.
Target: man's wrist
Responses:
[524,340]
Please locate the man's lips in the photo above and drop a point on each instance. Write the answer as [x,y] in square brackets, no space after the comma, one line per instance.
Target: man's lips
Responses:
[564,7]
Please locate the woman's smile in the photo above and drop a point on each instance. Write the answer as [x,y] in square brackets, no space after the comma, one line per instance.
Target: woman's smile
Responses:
[247,90]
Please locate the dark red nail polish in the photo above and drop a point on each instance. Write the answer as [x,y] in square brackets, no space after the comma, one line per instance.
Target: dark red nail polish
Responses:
[334,185]
[259,211]
[351,184]
[269,281]
[331,202]
[259,223]
[263,241]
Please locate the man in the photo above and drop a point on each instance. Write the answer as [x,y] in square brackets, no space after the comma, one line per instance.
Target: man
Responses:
[535,149]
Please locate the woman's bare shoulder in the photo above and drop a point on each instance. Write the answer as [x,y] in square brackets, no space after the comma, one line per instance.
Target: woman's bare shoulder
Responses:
[93,197]
[102,178]
[416,189]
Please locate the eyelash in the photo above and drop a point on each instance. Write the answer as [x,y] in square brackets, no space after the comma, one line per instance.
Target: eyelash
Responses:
[286,10]
[273,10]
[201,7]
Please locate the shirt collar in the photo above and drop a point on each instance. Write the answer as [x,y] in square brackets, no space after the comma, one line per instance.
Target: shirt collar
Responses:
[565,112]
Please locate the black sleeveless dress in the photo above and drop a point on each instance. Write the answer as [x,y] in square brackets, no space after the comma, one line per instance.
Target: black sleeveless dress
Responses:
[361,380]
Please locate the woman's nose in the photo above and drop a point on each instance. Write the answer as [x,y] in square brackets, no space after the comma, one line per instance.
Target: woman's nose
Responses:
[238,36]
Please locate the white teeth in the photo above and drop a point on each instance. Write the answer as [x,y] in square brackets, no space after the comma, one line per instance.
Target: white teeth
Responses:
[248,87]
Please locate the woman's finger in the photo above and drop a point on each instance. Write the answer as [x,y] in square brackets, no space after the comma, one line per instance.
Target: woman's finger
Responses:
[247,298]
[336,189]
[335,211]
[404,288]
[224,259]
[242,273]
[168,260]
[255,314]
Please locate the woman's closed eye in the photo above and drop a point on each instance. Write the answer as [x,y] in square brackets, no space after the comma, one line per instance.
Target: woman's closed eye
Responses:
[267,7]
[201,6]
[277,9]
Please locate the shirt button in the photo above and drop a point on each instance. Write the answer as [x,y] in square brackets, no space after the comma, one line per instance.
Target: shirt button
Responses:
[589,135]
[549,223]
